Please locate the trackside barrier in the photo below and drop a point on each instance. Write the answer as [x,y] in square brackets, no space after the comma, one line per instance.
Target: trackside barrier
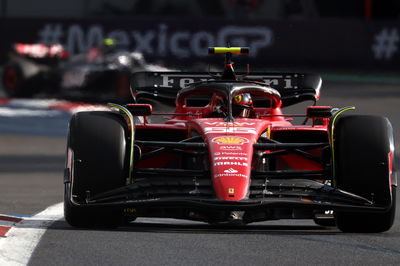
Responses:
[323,43]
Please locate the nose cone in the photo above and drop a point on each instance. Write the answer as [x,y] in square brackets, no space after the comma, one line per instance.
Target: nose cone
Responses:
[230,146]
[230,158]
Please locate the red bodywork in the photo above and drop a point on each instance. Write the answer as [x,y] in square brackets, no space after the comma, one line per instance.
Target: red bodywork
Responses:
[231,153]
[230,144]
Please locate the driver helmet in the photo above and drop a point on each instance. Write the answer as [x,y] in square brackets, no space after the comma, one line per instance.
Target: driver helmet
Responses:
[108,46]
[242,104]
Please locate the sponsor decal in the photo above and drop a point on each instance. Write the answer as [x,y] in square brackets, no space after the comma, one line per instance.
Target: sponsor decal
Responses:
[129,210]
[283,128]
[182,80]
[224,130]
[231,148]
[170,80]
[230,140]
[230,153]
[230,163]
[230,171]
[230,174]
[227,158]
[269,132]
[230,124]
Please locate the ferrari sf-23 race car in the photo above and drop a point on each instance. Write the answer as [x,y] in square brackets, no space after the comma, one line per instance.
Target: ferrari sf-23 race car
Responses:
[229,155]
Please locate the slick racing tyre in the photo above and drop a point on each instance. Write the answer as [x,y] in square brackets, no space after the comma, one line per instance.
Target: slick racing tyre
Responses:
[14,81]
[96,162]
[363,161]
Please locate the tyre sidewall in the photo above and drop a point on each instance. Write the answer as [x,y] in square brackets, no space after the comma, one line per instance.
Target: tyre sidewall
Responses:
[97,162]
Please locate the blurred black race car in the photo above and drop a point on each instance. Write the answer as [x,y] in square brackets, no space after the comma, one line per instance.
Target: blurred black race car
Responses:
[99,75]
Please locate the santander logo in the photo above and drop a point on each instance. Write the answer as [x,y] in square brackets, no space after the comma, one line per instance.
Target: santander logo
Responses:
[230,171]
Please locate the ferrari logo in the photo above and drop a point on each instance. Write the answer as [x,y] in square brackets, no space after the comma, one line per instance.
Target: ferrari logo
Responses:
[231,190]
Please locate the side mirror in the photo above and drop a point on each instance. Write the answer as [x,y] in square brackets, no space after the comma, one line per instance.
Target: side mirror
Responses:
[319,111]
[140,109]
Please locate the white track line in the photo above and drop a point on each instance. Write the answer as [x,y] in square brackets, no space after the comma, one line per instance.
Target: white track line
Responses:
[20,242]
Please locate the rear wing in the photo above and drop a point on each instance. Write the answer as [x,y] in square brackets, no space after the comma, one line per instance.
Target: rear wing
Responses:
[293,87]
[38,50]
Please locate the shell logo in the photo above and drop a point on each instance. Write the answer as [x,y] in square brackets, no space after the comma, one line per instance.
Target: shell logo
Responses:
[230,140]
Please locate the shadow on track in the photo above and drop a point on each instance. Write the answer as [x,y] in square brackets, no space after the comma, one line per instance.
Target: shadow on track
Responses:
[188,227]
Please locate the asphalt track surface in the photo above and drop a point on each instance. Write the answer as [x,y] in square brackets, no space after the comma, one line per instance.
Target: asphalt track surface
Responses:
[31,168]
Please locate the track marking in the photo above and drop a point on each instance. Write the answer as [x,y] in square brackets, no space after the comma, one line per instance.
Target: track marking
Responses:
[17,246]
[7,222]
[10,218]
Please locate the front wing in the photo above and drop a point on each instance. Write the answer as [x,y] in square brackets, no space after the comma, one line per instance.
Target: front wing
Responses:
[288,193]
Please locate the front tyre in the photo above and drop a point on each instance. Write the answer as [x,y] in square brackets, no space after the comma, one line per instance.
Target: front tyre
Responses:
[96,162]
[363,161]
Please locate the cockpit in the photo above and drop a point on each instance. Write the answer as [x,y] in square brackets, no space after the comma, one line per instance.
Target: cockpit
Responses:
[227,100]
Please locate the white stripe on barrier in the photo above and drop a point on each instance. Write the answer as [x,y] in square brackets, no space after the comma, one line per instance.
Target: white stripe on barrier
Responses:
[13,112]
[44,107]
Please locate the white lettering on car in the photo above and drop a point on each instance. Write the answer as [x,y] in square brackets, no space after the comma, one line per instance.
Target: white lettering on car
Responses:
[230,163]
[230,158]
[224,130]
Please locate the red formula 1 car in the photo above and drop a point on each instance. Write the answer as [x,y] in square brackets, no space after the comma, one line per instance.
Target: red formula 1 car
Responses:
[229,155]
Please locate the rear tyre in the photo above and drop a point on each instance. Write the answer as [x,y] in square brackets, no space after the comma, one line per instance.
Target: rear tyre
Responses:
[363,145]
[14,81]
[96,152]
